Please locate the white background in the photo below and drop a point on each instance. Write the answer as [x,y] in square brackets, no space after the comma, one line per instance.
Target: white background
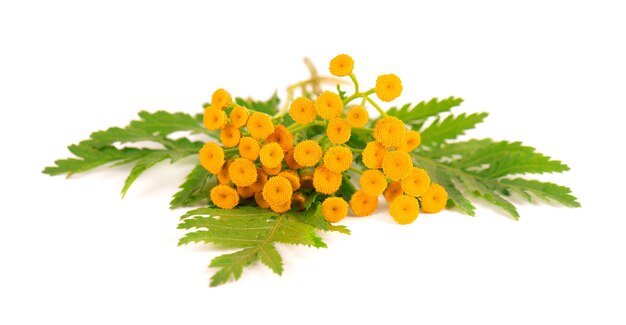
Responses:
[73,252]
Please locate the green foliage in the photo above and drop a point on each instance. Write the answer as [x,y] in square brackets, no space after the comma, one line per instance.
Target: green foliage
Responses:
[111,145]
[269,106]
[195,190]
[479,168]
[255,231]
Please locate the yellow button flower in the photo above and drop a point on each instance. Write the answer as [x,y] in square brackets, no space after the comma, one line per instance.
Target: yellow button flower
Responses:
[341,65]
[272,171]
[404,209]
[338,131]
[245,192]
[373,182]
[338,159]
[373,154]
[271,155]
[363,204]
[416,183]
[297,201]
[277,191]
[328,105]
[357,116]
[388,87]
[411,140]
[249,148]
[281,208]
[221,99]
[302,110]
[326,181]
[224,196]
[260,201]
[230,136]
[214,119]
[239,116]
[394,189]
[242,172]
[282,136]
[389,131]
[291,161]
[435,199]
[334,209]
[397,165]
[293,178]
[222,176]
[306,179]
[307,153]
[260,125]
[212,157]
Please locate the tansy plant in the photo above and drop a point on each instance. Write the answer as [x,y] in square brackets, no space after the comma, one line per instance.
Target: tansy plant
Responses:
[268,175]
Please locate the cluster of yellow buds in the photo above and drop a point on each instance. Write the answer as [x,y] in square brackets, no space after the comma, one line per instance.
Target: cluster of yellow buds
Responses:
[275,166]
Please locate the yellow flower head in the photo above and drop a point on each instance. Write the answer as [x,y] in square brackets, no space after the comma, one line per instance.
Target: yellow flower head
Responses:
[397,165]
[291,161]
[373,182]
[293,178]
[404,209]
[411,140]
[242,172]
[282,136]
[224,196]
[271,155]
[307,153]
[272,171]
[221,99]
[222,176]
[363,204]
[298,200]
[261,179]
[245,192]
[277,191]
[214,119]
[239,116]
[334,209]
[389,131]
[388,87]
[373,155]
[302,110]
[357,116]
[338,131]
[326,181]
[416,183]
[306,179]
[249,148]
[212,157]
[341,65]
[230,136]
[260,125]
[260,201]
[394,189]
[281,208]
[338,159]
[328,105]
[435,199]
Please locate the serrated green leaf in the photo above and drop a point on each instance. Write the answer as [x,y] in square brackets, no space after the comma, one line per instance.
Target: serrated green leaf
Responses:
[251,228]
[416,116]
[195,189]
[269,106]
[543,190]
[449,128]
[313,217]
[141,166]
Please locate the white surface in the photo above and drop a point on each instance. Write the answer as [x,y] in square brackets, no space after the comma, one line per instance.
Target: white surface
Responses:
[72,252]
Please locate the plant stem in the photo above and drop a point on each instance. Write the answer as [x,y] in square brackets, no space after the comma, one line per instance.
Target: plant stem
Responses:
[299,127]
[380,110]
[356,170]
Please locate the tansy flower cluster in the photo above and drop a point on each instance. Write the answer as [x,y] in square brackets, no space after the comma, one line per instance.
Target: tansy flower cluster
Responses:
[274,163]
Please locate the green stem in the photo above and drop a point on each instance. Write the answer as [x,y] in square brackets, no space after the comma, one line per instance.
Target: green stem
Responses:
[299,127]
[356,170]
[357,95]
[356,83]
[380,110]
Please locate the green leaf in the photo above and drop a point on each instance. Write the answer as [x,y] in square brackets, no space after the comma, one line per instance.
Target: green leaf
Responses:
[477,168]
[103,147]
[416,116]
[313,217]
[449,128]
[195,189]
[269,106]
[253,229]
